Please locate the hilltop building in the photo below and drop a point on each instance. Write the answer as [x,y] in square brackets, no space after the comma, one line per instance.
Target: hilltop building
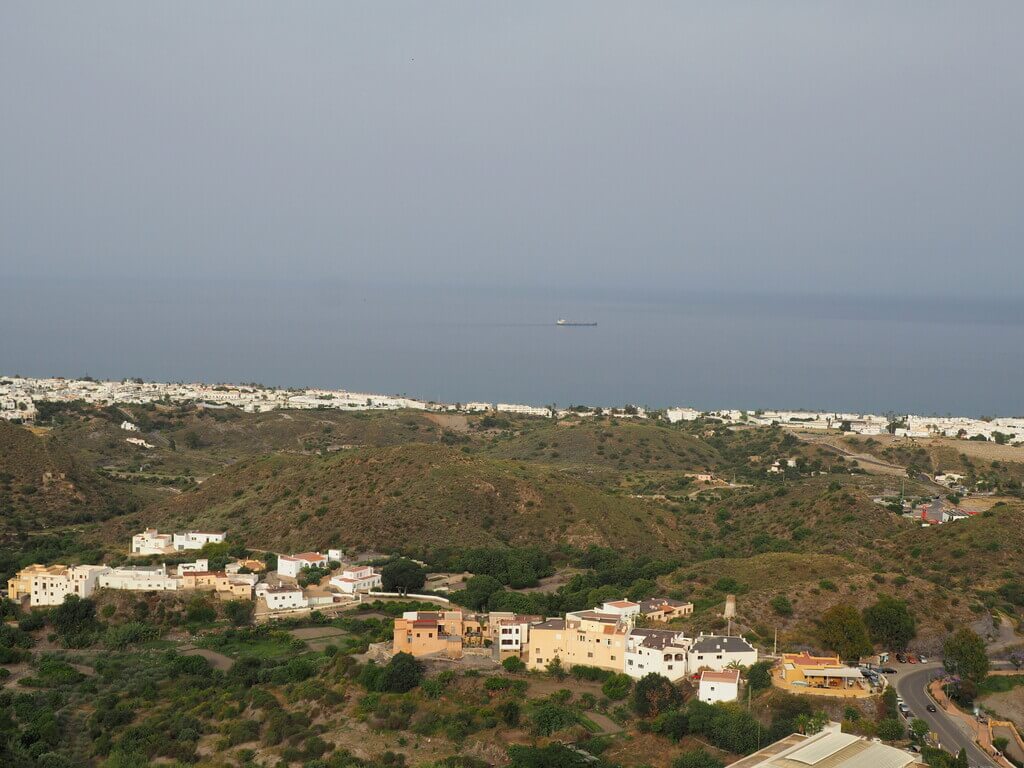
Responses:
[51,584]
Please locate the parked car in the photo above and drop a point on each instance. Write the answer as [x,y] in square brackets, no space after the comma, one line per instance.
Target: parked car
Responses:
[922,659]
[911,658]
[901,658]
[888,671]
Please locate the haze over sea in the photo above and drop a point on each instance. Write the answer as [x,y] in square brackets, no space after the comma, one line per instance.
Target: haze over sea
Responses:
[499,344]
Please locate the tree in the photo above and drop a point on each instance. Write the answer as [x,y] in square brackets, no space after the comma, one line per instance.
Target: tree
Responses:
[74,618]
[697,758]
[1017,659]
[551,756]
[782,606]
[401,674]
[889,623]
[402,575]
[239,612]
[509,713]
[478,592]
[617,686]
[964,655]
[513,665]
[919,729]
[555,668]
[890,729]
[655,694]
[842,630]
[759,676]
[550,716]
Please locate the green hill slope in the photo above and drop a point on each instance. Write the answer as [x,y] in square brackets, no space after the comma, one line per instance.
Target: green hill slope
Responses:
[42,485]
[411,498]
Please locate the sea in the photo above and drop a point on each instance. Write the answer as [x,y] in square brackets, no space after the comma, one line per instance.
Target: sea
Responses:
[494,343]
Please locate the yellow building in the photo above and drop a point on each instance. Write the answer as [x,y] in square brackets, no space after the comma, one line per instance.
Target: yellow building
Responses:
[426,633]
[804,673]
[586,638]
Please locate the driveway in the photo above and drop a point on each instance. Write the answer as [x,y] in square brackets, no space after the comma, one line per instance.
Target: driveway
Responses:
[911,683]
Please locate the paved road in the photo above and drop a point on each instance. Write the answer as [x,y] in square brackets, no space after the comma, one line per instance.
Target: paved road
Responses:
[911,683]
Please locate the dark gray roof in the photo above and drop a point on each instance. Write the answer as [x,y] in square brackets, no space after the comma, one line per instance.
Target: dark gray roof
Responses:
[720,643]
[655,638]
[551,624]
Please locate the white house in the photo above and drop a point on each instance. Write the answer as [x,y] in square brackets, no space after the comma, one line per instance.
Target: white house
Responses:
[352,580]
[140,578]
[151,542]
[199,566]
[281,598]
[291,565]
[662,651]
[627,610]
[127,426]
[510,632]
[197,539]
[719,686]
[335,555]
[50,585]
[525,410]
[681,414]
[716,652]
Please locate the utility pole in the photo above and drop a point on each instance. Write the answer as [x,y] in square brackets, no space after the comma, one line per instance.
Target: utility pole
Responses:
[775,647]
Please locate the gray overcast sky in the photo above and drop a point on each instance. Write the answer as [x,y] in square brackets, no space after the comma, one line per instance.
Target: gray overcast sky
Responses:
[813,146]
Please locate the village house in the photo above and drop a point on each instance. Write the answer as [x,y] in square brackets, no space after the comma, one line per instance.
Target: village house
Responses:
[719,686]
[661,651]
[198,566]
[509,633]
[352,580]
[292,565]
[51,584]
[717,652]
[227,587]
[664,609]
[140,578]
[151,542]
[253,566]
[196,539]
[281,598]
[804,673]
[594,638]
[426,633]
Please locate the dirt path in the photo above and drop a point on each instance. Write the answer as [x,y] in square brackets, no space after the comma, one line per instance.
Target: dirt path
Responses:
[870,464]
[606,724]
[217,660]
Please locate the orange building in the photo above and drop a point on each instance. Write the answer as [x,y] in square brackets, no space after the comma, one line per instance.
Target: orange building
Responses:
[426,633]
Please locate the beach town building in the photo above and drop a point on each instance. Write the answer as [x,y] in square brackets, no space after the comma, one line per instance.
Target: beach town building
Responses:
[360,579]
[719,686]
[661,651]
[51,584]
[522,410]
[228,587]
[292,565]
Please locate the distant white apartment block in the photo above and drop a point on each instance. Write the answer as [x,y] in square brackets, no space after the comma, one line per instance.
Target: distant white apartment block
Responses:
[50,585]
[674,415]
[523,410]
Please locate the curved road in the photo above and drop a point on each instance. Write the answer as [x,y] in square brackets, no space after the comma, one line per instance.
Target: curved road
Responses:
[912,683]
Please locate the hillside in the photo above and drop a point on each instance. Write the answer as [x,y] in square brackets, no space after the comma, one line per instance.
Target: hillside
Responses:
[410,498]
[42,485]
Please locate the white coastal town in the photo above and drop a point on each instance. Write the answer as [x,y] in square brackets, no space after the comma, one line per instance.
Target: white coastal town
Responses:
[20,395]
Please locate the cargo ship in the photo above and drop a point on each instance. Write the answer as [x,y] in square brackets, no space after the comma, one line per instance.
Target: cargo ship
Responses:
[562,321]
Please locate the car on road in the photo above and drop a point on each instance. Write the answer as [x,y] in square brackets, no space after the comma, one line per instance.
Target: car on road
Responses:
[888,671]
[932,708]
